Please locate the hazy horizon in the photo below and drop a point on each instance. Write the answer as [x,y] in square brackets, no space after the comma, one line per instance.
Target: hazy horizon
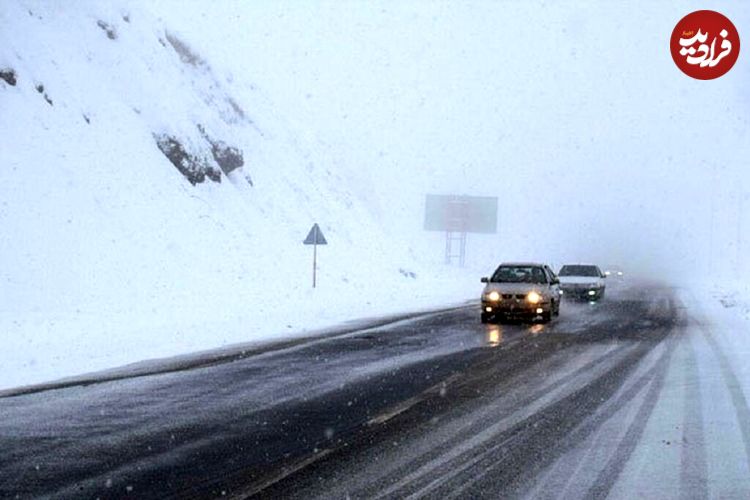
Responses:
[576,117]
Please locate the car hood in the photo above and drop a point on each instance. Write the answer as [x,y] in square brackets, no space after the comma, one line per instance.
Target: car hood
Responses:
[514,288]
[580,280]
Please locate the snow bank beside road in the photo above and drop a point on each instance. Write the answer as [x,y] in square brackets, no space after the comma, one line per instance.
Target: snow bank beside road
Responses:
[45,347]
[728,313]
[736,301]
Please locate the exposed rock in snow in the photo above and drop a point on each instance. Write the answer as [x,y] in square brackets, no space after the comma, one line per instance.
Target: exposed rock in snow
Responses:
[108,29]
[194,168]
[40,88]
[9,76]
[183,50]
[227,157]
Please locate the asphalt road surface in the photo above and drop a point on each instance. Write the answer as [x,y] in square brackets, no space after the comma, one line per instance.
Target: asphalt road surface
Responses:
[438,405]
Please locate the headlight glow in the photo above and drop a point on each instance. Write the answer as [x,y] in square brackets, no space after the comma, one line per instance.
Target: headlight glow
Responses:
[592,292]
[533,298]
[494,296]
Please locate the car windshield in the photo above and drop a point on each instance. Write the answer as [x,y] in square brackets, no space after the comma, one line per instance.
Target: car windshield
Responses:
[519,274]
[588,271]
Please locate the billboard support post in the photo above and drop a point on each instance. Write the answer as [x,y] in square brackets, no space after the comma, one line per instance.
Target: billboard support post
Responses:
[457,213]
[457,216]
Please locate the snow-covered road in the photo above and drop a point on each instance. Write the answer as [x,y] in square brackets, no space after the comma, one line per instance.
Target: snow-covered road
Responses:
[644,394]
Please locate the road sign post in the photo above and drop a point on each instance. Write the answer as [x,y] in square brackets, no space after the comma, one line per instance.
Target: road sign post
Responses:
[315,237]
[315,262]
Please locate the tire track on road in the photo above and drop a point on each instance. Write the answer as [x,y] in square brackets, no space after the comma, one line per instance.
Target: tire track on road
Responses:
[501,467]
[611,472]
[739,401]
[693,464]
[506,459]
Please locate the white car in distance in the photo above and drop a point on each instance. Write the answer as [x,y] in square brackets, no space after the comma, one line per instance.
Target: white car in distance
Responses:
[582,282]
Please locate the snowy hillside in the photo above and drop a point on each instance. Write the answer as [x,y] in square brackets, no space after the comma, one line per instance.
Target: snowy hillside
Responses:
[151,205]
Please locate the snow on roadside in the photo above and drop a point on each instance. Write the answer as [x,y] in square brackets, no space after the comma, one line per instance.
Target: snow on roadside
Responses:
[44,347]
[738,301]
[725,313]
[109,255]
[733,306]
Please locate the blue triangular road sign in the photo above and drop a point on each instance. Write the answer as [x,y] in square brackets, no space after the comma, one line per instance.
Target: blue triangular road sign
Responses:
[315,236]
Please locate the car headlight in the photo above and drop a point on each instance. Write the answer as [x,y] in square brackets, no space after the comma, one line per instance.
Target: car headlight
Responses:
[592,292]
[493,296]
[533,298]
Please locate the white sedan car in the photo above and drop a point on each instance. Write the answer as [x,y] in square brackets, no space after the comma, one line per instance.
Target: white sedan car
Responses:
[521,291]
[582,281]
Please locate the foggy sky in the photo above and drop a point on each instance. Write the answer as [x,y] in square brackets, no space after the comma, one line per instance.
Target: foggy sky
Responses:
[574,115]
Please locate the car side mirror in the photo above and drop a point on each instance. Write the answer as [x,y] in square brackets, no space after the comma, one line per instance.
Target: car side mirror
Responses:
[485,280]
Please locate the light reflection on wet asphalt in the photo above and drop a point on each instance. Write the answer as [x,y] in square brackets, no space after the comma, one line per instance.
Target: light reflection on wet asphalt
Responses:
[260,412]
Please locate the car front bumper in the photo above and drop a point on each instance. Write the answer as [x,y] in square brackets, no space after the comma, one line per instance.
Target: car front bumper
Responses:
[582,293]
[514,309]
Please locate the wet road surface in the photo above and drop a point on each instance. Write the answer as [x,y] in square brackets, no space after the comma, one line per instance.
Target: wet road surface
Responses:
[438,405]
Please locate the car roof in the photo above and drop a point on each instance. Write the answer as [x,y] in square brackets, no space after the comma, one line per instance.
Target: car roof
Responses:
[523,264]
[587,265]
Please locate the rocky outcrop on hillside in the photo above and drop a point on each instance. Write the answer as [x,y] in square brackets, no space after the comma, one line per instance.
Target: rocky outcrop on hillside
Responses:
[8,75]
[195,168]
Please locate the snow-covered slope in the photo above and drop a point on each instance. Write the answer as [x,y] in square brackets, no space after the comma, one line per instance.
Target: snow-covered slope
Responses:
[111,252]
